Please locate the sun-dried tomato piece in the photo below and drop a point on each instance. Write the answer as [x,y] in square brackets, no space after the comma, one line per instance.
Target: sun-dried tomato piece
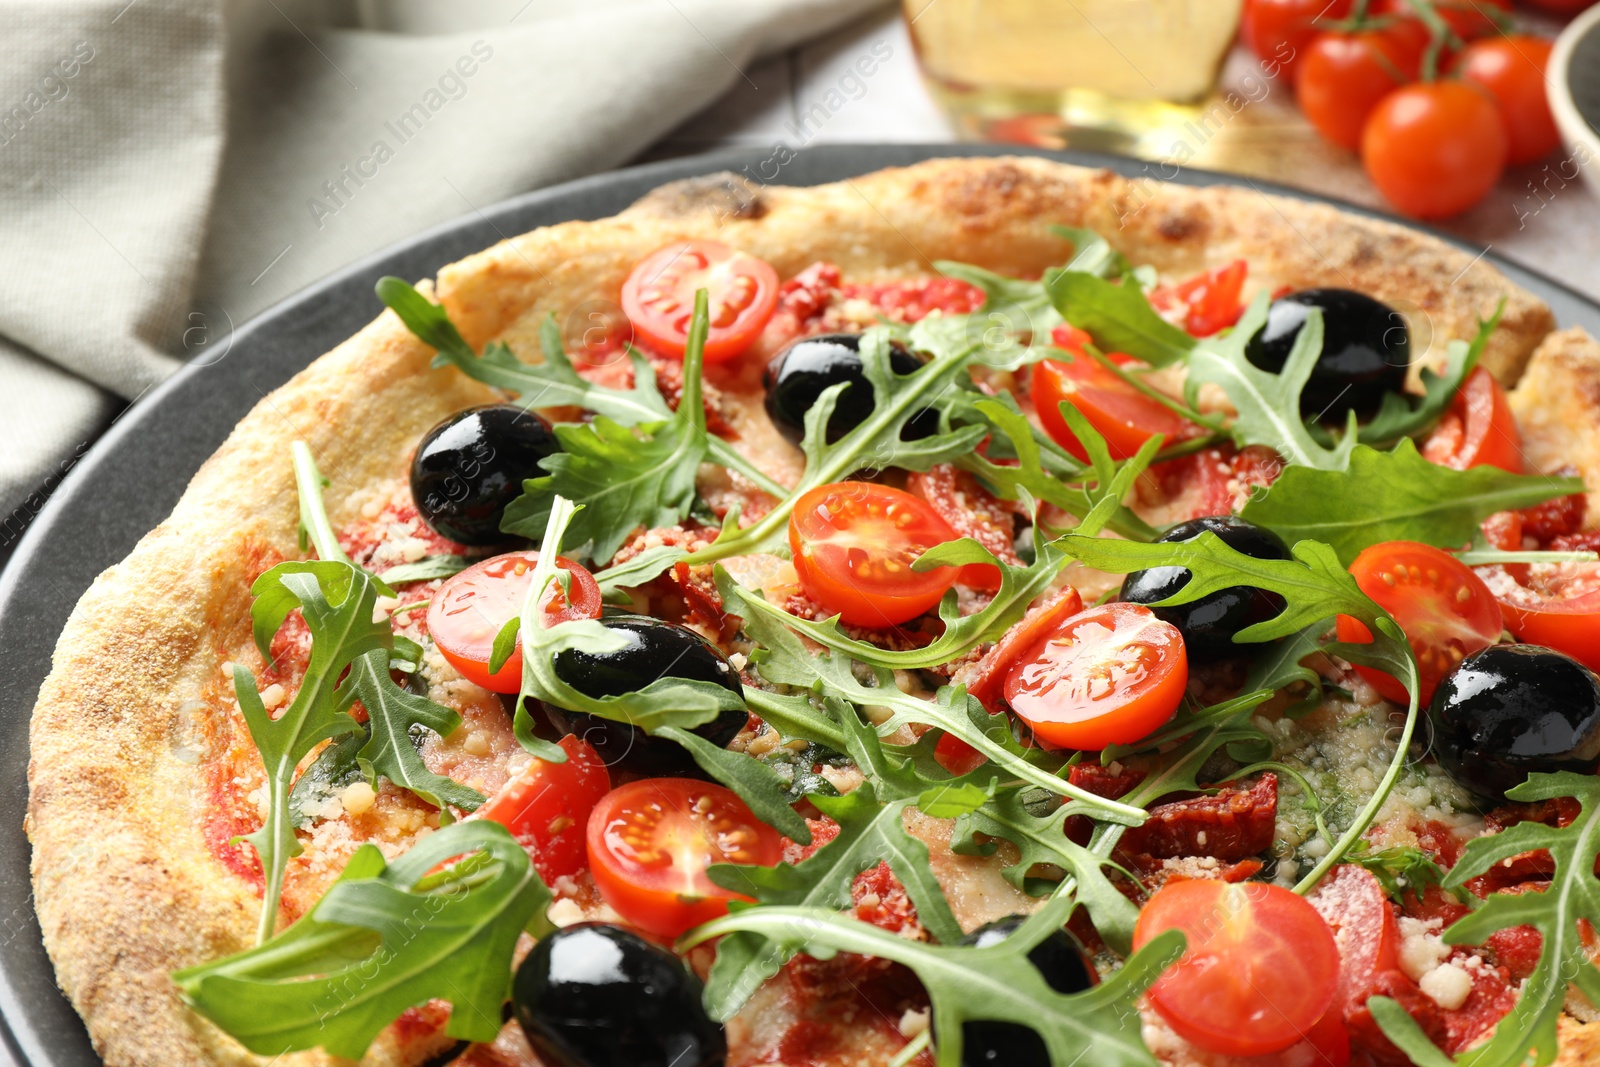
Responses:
[1232,825]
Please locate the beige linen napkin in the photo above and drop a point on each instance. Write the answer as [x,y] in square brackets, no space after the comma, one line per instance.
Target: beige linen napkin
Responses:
[168,167]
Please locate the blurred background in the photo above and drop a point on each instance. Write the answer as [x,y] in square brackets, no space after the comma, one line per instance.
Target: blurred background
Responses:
[172,167]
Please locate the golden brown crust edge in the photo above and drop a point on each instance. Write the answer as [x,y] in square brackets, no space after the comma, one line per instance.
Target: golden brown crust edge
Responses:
[125,886]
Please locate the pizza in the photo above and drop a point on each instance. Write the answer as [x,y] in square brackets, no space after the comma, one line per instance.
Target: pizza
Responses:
[976,613]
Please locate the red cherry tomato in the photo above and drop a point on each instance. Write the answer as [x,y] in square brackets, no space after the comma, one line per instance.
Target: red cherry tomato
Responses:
[1512,68]
[1125,417]
[658,296]
[1260,971]
[1552,604]
[1469,19]
[971,511]
[956,756]
[1280,31]
[1343,76]
[1107,676]
[472,607]
[546,807]
[651,841]
[854,544]
[1211,298]
[1478,429]
[1434,150]
[1562,7]
[1445,611]
[988,678]
[1352,902]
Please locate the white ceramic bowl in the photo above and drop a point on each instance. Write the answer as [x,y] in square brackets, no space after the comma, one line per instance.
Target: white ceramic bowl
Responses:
[1573,81]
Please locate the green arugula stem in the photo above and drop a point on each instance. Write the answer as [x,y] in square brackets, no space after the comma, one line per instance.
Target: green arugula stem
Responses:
[1182,410]
[313,515]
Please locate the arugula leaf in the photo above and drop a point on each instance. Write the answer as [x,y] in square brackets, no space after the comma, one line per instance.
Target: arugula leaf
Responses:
[1118,317]
[617,579]
[1394,496]
[1316,588]
[1282,664]
[1405,415]
[334,768]
[939,384]
[624,477]
[1268,404]
[1400,869]
[554,383]
[757,784]
[426,569]
[1099,1026]
[871,829]
[384,938]
[391,713]
[1572,895]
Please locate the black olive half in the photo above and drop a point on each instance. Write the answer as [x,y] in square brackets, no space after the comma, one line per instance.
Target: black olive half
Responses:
[1511,710]
[1065,968]
[1366,349]
[471,465]
[595,995]
[797,376]
[656,650]
[1209,624]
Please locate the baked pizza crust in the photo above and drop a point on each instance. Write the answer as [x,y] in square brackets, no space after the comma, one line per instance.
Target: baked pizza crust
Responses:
[125,884]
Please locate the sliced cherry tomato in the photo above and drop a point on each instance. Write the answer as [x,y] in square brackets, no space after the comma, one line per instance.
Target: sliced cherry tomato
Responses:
[1434,150]
[1107,676]
[651,841]
[854,544]
[658,296]
[1343,76]
[1280,31]
[547,805]
[1479,429]
[1260,971]
[972,511]
[1512,68]
[1552,604]
[1125,417]
[987,679]
[472,607]
[1445,611]
[1352,902]
[956,756]
[1211,299]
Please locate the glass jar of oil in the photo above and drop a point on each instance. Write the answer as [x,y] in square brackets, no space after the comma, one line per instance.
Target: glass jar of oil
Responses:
[1114,75]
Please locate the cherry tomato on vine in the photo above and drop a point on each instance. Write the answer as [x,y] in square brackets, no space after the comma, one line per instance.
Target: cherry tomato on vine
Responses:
[854,544]
[1512,68]
[658,296]
[1125,417]
[1210,299]
[472,607]
[1469,19]
[1106,676]
[1280,31]
[1260,971]
[1562,7]
[1556,605]
[546,806]
[1434,150]
[1343,76]
[651,841]
[1445,611]
[1478,429]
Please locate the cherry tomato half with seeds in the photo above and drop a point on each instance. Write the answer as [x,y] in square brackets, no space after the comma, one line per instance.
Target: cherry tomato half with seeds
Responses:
[472,607]
[1210,299]
[1110,675]
[1435,149]
[1445,611]
[651,841]
[1512,68]
[658,297]
[854,544]
[1478,429]
[546,806]
[1121,414]
[1556,605]
[1260,971]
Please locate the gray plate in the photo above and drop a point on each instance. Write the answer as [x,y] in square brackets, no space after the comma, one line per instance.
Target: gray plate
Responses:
[131,479]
